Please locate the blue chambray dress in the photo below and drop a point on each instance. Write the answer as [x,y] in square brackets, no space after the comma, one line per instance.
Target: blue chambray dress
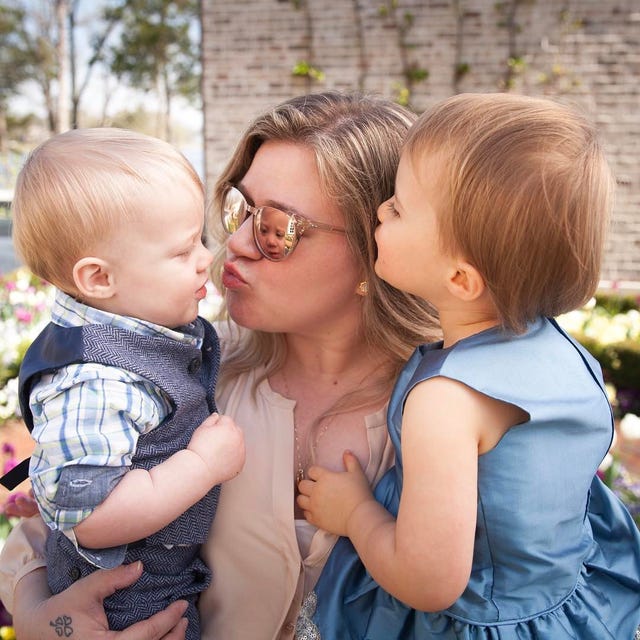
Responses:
[557,555]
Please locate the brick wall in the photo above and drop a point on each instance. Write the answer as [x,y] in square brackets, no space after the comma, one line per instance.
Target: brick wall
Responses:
[585,51]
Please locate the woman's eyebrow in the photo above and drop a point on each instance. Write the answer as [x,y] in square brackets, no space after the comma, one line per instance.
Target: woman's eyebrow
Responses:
[276,204]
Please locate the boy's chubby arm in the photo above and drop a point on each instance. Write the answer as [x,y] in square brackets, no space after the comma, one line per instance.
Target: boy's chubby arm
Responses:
[424,557]
[145,501]
[89,418]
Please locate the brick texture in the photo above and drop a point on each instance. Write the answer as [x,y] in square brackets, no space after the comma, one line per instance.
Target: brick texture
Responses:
[582,51]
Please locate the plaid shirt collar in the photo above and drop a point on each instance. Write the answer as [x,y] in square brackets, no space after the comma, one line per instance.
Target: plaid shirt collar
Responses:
[68,312]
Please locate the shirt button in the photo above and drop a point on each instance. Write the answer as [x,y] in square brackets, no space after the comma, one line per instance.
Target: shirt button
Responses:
[289,627]
[194,365]
[74,573]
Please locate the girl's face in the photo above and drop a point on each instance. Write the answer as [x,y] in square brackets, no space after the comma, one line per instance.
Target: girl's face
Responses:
[314,289]
[409,253]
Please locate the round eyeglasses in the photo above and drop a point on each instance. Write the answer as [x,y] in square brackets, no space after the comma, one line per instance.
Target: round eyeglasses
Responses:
[275,232]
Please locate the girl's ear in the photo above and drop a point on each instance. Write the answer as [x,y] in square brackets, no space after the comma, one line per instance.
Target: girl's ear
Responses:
[93,278]
[465,282]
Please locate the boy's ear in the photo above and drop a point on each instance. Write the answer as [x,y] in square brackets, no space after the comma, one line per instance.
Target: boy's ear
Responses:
[465,282]
[93,278]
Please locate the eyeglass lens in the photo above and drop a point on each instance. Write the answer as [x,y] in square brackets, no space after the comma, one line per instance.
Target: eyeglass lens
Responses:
[274,231]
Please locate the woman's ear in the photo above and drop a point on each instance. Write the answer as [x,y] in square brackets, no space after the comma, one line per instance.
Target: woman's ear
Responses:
[93,278]
[465,282]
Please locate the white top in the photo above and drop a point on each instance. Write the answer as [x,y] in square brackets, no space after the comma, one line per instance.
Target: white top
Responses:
[259,574]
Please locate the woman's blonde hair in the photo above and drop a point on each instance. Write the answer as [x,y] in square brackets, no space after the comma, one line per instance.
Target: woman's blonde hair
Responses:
[527,195]
[77,187]
[356,140]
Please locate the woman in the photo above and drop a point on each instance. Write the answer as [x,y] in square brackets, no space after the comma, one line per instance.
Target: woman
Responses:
[309,373]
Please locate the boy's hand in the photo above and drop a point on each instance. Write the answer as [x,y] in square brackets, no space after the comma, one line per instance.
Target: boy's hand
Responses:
[329,498]
[220,444]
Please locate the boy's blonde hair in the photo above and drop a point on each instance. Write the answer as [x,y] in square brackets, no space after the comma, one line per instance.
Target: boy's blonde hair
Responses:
[77,187]
[527,195]
[356,141]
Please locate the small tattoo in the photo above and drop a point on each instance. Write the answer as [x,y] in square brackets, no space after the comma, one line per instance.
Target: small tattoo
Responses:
[62,625]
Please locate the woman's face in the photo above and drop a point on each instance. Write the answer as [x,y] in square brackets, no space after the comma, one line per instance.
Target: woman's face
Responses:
[314,289]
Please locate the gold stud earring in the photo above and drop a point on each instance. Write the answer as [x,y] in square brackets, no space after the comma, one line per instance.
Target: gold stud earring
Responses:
[363,288]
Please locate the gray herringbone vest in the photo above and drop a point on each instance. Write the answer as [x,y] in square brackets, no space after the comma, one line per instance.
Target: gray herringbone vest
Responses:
[187,375]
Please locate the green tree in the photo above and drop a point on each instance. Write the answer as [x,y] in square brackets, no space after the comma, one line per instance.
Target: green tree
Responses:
[40,41]
[156,51]
[101,24]
[46,42]
[16,60]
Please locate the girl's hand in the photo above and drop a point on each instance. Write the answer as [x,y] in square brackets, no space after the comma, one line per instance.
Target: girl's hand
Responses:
[329,498]
[78,611]
[20,505]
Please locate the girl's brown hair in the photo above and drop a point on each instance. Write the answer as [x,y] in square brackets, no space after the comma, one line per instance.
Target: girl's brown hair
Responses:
[527,196]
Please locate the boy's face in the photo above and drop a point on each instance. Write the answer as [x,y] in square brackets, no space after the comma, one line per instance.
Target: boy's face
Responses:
[409,253]
[159,264]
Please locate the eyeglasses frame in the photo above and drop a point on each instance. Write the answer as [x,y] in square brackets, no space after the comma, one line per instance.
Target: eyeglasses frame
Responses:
[301,223]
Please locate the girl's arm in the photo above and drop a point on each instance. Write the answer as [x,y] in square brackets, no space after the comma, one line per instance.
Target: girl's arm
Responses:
[78,612]
[145,501]
[424,557]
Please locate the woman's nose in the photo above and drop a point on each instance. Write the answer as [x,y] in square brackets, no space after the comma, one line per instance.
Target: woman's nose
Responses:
[241,242]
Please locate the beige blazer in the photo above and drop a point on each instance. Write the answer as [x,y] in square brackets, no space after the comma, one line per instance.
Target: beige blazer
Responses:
[259,575]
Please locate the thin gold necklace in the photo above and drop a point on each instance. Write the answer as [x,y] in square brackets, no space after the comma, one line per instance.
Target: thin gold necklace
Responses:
[301,462]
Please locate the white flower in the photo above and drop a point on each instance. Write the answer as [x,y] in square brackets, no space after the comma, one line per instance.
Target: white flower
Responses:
[611,392]
[9,405]
[573,321]
[630,427]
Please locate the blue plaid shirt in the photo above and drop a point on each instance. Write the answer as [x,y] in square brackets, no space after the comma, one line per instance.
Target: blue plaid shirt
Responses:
[90,414]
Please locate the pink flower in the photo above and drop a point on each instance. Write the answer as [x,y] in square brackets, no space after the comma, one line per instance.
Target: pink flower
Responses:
[8,449]
[23,315]
[8,465]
